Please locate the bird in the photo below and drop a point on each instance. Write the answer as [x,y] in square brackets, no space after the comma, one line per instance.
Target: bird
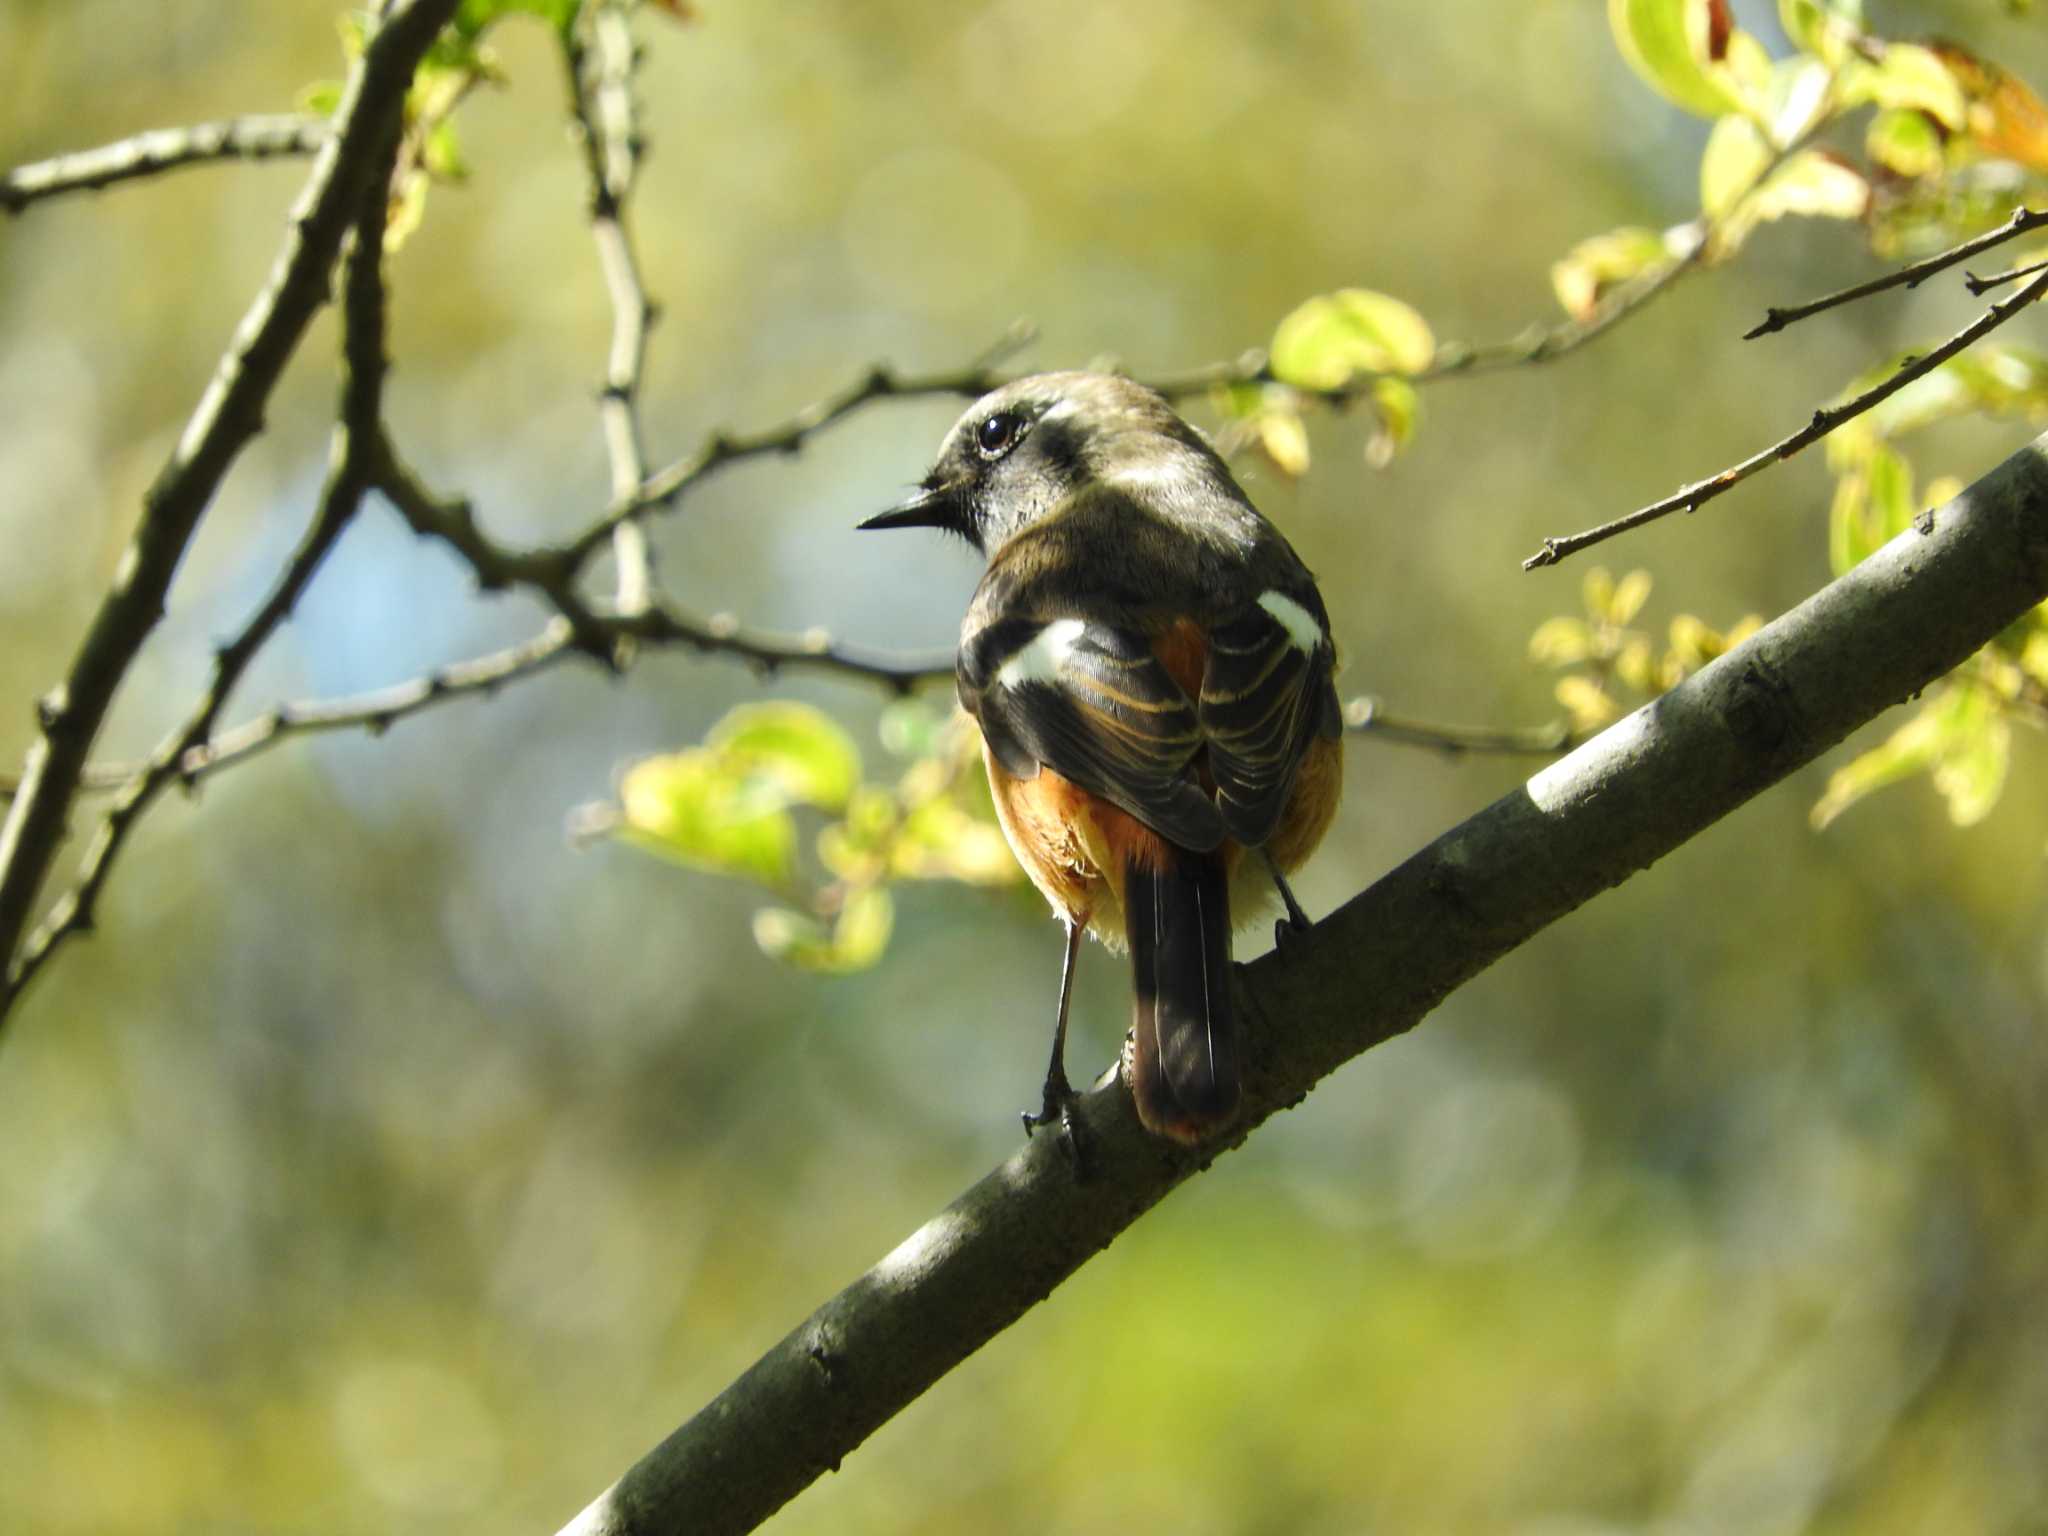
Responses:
[1151,668]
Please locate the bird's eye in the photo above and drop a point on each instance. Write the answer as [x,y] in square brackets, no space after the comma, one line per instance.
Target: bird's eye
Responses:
[998,434]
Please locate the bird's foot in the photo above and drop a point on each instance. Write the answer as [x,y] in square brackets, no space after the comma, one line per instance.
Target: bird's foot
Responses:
[1058,1107]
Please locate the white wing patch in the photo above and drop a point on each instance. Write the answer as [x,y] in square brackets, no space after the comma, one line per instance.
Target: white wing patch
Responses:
[1039,661]
[1300,624]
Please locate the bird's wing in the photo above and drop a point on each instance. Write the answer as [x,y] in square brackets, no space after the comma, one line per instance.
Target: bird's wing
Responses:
[1266,694]
[1089,700]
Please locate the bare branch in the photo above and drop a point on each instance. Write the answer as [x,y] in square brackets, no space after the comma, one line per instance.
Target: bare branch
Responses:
[606,122]
[1909,276]
[161,150]
[378,711]
[1364,716]
[227,416]
[1979,286]
[881,382]
[1691,498]
[1370,971]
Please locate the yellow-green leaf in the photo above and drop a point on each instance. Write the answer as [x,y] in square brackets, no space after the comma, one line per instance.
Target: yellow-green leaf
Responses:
[1913,77]
[1735,159]
[698,809]
[1399,409]
[1282,437]
[1667,43]
[1561,642]
[1971,773]
[1630,593]
[1909,750]
[1814,184]
[855,942]
[798,747]
[1904,142]
[1593,266]
[1332,337]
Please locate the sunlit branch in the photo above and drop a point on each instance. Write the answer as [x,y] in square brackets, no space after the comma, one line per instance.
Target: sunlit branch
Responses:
[1909,276]
[160,150]
[607,125]
[1692,497]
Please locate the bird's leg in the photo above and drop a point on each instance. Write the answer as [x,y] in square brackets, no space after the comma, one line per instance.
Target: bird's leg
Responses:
[1295,923]
[1059,1093]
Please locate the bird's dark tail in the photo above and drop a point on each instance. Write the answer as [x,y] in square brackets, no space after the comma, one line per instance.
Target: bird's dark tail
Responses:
[1184,1057]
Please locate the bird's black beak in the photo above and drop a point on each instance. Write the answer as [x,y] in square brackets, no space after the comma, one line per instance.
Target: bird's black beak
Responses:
[930,506]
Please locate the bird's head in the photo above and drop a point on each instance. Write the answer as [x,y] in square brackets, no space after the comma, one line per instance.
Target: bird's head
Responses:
[1022,451]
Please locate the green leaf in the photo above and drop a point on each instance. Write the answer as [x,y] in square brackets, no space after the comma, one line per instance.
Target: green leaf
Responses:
[1904,142]
[801,749]
[1400,412]
[1806,24]
[441,155]
[856,941]
[1667,43]
[1282,437]
[1960,738]
[1911,77]
[1332,337]
[1910,750]
[702,810]
[320,98]
[474,17]
[1735,158]
[1976,745]
[1813,184]
[1593,266]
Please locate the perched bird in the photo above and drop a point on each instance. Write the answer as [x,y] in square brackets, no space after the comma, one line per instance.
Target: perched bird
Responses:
[1150,665]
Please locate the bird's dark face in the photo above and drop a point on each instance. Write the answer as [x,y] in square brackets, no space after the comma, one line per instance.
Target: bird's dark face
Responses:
[1022,451]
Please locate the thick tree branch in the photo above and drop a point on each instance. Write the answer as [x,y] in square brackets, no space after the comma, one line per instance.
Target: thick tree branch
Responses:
[228,415]
[160,150]
[1371,970]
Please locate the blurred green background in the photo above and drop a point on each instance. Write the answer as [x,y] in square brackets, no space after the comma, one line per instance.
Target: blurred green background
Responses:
[386,1164]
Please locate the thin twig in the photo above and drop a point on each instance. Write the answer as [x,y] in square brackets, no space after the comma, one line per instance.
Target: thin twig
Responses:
[382,708]
[1692,497]
[229,413]
[1979,286]
[1909,276]
[721,449]
[160,150]
[1364,716]
[352,459]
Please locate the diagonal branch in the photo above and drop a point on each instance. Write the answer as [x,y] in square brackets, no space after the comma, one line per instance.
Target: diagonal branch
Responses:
[227,416]
[1690,498]
[1912,275]
[160,150]
[1370,971]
